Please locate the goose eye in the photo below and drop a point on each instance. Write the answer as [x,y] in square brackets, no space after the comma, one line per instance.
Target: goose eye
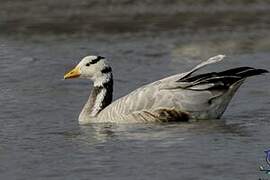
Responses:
[88,64]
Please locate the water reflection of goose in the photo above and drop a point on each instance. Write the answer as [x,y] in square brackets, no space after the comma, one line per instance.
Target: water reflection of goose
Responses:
[176,98]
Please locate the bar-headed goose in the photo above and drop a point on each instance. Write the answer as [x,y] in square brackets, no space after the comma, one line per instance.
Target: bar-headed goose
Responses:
[176,98]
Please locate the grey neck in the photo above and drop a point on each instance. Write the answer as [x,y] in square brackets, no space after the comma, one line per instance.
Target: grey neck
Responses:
[100,97]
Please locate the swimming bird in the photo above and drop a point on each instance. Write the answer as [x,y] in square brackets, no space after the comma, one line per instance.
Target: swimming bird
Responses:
[179,97]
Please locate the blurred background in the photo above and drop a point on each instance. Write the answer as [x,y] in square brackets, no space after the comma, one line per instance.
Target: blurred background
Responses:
[125,16]
[143,41]
[199,28]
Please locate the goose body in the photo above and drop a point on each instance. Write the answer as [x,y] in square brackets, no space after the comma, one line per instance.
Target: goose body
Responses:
[179,97]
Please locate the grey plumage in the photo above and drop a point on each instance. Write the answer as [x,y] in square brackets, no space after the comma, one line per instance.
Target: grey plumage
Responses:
[176,98]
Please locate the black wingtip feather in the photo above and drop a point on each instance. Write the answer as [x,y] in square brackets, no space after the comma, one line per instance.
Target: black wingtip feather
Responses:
[263,71]
[223,79]
[252,72]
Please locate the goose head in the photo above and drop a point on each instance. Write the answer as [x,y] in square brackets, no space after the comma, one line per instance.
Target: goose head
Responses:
[94,68]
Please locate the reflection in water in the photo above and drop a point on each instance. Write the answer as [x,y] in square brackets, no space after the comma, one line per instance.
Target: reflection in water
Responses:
[101,133]
[96,133]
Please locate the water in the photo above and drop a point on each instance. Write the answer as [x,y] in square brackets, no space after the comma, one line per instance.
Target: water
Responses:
[41,139]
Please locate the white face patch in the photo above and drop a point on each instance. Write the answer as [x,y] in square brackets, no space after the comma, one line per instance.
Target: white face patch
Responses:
[91,67]
[97,69]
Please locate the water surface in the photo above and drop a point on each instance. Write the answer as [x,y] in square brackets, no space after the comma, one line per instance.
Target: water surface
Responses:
[41,139]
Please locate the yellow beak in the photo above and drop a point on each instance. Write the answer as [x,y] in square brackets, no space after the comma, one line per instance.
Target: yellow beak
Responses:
[73,73]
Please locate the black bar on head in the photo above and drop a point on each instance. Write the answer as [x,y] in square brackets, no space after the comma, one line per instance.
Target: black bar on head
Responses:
[94,61]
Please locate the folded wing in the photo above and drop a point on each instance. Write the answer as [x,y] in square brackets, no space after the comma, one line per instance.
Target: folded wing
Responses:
[182,96]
